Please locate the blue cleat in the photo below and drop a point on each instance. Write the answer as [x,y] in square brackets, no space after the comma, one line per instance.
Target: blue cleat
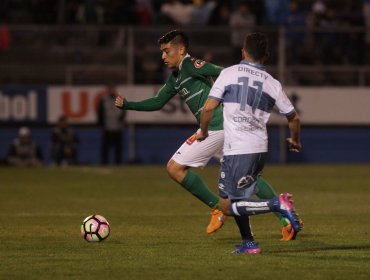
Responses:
[248,247]
[284,205]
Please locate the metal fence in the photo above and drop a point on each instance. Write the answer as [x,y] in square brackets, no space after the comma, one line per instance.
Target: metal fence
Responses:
[83,55]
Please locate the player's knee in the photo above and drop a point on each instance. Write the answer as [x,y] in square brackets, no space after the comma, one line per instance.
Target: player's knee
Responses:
[175,171]
[171,169]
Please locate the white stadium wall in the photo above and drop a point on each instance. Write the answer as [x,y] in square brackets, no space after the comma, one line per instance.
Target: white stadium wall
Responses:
[43,105]
[336,123]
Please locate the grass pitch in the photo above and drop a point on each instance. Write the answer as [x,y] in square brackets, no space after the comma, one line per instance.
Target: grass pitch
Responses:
[158,229]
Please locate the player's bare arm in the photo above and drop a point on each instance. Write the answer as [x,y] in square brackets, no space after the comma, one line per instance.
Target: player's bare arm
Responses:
[294,127]
[207,113]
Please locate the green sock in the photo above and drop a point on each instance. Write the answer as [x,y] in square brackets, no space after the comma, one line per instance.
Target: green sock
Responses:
[194,184]
[266,191]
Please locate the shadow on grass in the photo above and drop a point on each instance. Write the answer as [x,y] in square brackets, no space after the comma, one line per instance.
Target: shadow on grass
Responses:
[314,247]
[324,248]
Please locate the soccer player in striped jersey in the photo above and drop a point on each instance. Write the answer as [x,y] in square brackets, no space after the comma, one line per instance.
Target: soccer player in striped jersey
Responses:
[249,94]
[192,79]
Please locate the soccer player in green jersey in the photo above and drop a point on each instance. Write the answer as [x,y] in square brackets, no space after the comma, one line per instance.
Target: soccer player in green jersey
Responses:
[192,79]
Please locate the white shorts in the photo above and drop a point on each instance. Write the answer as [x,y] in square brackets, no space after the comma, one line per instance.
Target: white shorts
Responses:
[197,154]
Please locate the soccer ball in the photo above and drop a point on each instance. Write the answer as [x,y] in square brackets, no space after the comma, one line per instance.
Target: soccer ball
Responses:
[95,228]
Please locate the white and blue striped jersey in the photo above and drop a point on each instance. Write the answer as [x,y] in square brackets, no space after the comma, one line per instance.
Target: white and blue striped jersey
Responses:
[249,94]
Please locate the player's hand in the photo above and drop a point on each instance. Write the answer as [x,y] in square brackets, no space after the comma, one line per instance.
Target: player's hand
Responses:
[120,101]
[294,146]
[201,135]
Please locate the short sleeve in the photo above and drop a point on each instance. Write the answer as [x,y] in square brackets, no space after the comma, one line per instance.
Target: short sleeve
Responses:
[218,89]
[283,103]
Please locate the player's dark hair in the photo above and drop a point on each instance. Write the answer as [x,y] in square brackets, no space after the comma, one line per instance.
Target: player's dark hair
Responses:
[175,37]
[256,44]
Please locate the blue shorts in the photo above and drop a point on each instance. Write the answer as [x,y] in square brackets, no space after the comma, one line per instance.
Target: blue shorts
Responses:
[239,174]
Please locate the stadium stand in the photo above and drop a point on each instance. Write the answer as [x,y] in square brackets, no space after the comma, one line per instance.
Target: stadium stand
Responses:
[88,42]
[95,42]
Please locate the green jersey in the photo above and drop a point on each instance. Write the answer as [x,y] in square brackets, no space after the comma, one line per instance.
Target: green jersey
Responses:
[192,81]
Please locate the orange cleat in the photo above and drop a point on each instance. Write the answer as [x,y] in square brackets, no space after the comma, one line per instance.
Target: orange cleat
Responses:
[217,221]
[289,233]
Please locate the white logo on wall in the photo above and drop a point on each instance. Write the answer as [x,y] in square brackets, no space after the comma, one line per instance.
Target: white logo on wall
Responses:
[79,104]
[18,107]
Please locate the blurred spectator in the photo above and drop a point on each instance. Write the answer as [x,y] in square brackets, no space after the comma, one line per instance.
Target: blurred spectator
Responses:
[257,8]
[70,11]
[4,36]
[90,11]
[221,14]
[174,11]
[24,151]
[177,12]
[64,143]
[121,12]
[43,11]
[145,12]
[351,13]
[111,120]
[18,11]
[353,48]
[326,42]
[275,11]
[295,38]
[366,12]
[242,22]
[202,11]
[319,7]
[317,13]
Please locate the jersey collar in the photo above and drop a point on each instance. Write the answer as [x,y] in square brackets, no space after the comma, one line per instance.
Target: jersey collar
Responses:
[256,65]
[180,65]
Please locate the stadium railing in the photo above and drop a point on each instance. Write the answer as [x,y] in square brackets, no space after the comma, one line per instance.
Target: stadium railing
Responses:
[80,55]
